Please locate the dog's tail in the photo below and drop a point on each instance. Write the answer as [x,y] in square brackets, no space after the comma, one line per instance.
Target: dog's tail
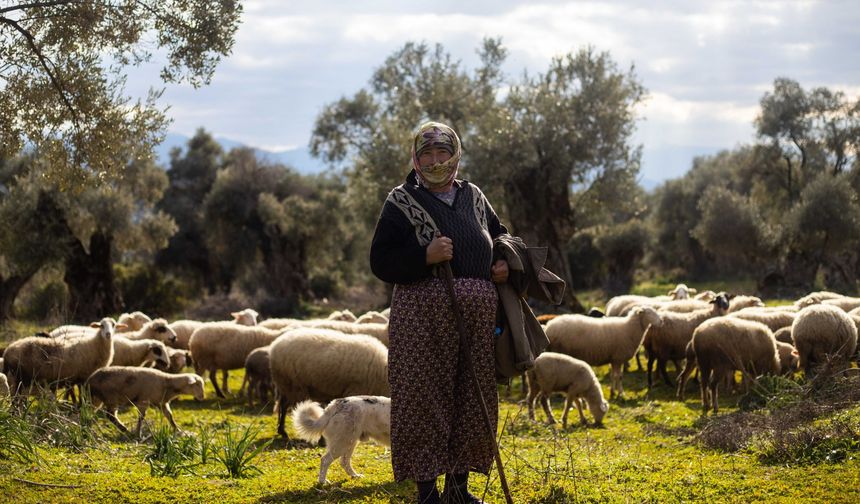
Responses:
[310,421]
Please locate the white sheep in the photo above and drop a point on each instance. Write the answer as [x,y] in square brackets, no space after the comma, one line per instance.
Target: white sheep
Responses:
[774,319]
[816,298]
[555,372]
[177,360]
[157,329]
[681,291]
[4,386]
[823,333]
[58,361]
[372,317]
[344,315]
[185,328]
[116,386]
[258,375]
[322,364]
[619,306]
[127,352]
[598,341]
[723,345]
[76,330]
[783,335]
[378,331]
[668,341]
[133,321]
[788,358]
[845,303]
[225,346]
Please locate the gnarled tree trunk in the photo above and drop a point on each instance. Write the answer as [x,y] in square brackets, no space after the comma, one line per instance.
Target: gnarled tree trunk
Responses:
[89,275]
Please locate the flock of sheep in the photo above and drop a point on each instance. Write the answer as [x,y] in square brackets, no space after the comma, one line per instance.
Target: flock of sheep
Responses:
[139,361]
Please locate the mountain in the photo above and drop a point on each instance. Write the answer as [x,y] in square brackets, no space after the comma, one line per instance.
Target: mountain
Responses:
[299,158]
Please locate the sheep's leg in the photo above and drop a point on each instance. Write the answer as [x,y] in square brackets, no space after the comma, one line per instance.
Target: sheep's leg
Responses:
[224,376]
[616,381]
[567,406]
[704,376]
[346,462]
[579,406]
[245,381]
[683,376]
[714,382]
[213,377]
[325,461]
[113,418]
[165,410]
[523,387]
[141,409]
[544,401]
[661,365]
[638,360]
[531,397]
[651,359]
[282,413]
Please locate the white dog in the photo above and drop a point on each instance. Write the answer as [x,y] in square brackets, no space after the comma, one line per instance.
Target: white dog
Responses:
[343,424]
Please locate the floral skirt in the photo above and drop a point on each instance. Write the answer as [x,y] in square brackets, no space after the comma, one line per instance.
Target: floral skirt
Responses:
[437,426]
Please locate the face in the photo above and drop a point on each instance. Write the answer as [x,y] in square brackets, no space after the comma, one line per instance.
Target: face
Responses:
[433,155]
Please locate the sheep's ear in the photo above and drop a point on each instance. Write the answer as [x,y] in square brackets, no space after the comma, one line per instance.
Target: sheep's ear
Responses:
[95,325]
[121,326]
[192,380]
[234,314]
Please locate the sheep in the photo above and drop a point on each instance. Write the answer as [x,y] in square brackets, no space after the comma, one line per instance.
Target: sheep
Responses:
[58,361]
[824,333]
[115,386]
[258,375]
[386,312]
[127,352]
[668,341]
[378,331]
[177,360]
[788,358]
[783,335]
[722,345]
[845,303]
[816,298]
[225,346]
[774,319]
[134,321]
[185,328]
[4,385]
[619,306]
[372,317]
[681,291]
[555,372]
[157,329]
[75,330]
[683,306]
[343,315]
[322,364]
[598,341]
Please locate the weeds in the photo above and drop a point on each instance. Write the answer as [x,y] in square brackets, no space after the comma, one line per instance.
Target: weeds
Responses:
[238,451]
[834,442]
[16,436]
[171,455]
[63,424]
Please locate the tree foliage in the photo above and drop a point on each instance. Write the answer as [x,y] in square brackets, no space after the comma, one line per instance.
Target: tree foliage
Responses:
[62,66]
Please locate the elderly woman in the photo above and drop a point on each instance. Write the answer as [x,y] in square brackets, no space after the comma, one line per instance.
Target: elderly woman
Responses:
[436,423]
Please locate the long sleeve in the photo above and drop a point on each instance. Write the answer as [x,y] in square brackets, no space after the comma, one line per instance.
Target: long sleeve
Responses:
[494,225]
[395,255]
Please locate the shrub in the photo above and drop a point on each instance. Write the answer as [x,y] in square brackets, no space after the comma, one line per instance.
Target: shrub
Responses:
[239,450]
[171,455]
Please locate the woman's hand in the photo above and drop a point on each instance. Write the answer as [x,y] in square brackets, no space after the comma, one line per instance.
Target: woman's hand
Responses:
[499,270]
[441,249]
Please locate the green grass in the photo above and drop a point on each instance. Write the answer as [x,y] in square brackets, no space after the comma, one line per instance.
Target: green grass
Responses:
[646,452]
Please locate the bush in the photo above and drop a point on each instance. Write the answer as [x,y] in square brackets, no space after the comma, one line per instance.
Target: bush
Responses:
[171,455]
[47,302]
[239,450]
[144,287]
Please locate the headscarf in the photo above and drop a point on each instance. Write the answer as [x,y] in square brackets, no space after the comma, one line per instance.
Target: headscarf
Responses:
[435,134]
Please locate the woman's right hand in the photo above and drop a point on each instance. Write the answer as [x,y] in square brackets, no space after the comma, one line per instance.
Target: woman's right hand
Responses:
[441,249]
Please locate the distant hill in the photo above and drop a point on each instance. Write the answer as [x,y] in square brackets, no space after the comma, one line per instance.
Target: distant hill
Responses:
[299,158]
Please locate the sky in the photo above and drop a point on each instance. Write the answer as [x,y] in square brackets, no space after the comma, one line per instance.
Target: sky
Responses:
[704,64]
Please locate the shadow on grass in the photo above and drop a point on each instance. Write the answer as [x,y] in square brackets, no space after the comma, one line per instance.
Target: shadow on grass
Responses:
[395,492]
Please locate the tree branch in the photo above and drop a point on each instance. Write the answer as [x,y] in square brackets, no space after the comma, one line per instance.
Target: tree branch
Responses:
[34,5]
[32,42]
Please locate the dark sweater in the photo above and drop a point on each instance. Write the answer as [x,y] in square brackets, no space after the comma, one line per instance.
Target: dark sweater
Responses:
[396,255]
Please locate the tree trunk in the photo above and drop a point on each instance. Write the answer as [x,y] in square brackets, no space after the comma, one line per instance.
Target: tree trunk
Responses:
[9,289]
[287,282]
[538,210]
[92,291]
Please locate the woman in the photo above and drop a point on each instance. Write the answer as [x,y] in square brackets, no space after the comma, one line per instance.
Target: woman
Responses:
[436,423]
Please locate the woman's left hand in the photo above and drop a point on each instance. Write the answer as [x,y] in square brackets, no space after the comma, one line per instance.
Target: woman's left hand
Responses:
[499,270]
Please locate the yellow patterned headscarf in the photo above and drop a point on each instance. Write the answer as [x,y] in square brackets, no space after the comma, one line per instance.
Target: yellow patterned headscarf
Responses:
[435,134]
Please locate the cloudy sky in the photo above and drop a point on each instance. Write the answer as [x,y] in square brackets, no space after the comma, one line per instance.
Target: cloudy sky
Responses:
[705,64]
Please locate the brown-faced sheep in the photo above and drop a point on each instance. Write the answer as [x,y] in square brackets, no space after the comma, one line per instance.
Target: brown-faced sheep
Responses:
[177,361]
[824,334]
[598,341]
[554,372]
[724,345]
[225,346]
[142,387]
[58,361]
[668,341]
[322,364]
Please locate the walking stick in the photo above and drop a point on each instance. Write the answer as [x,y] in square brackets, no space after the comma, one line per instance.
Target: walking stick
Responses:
[448,276]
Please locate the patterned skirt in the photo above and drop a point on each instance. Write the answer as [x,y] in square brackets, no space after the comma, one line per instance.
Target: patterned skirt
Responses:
[436,422]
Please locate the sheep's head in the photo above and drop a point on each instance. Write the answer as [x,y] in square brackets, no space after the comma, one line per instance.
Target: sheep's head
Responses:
[158,354]
[721,302]
[741,302]
[134,321]
[194,386]
[600,413]
[647,316]
[681,291]
[706,296]
[248,317]
[159,330]
[106,327]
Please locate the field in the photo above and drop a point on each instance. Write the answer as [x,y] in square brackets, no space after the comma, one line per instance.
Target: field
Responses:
[648,451]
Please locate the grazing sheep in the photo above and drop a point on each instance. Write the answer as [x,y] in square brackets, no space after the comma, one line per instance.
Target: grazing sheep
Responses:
[774,319]
[555,372]
[723,345]
[185,328]
[322,365]
[128,352]
[823,333]
[598,341]
[258,375]
[783,335]
[372,317]
[115,386]
[4,386]
[668,341]
[133,321]
[788,358]
[845,303]
[58,361]
[225,346]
